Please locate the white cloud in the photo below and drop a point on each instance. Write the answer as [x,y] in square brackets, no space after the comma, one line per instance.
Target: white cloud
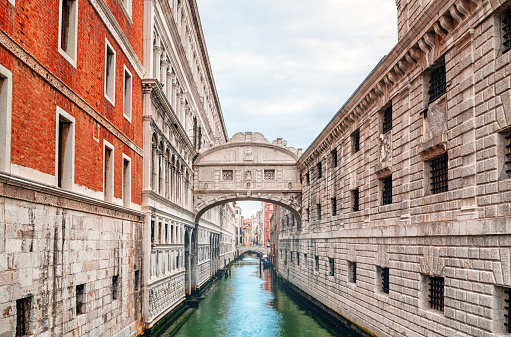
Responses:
[284,68]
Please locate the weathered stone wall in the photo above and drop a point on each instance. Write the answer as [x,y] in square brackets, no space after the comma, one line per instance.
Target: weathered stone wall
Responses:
[461,235]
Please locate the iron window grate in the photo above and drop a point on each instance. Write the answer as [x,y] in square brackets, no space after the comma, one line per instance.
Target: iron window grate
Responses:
[387,120]
[437,83]
[353,276]
[332,266]
[507,310]
[506,27]
[334,206]
[356,200]
[385,280]
[507,149]
[439,178]
[22,315]
[387,190]
[316,263]
[334,158]
[319,211]
[436,293]
[320,170]
[356,140]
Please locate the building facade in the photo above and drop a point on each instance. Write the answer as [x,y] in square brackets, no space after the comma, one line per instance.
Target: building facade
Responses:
[405,204]
[268,210]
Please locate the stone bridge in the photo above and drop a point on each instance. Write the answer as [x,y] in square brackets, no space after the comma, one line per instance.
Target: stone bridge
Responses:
[256,249]
[248,167]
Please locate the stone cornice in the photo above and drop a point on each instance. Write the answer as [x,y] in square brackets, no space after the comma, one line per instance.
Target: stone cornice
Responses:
[95,206]
[23,56]
[115,30]
[431,32]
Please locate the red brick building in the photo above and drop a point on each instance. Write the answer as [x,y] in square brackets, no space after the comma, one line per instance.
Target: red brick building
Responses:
[71,136]
[269,209]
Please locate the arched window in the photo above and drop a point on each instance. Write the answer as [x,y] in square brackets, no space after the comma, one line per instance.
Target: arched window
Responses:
[153,161]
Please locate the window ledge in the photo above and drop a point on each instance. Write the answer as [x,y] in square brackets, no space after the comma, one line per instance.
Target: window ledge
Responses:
[433,147]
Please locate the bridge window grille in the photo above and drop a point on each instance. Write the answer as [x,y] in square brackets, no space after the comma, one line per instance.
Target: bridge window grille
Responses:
[22,315]
[507,309]
[436,293]
[334,157]
[506,28]
[352,272]
[507,152]
[331,266]
[384,279]
[387,190]
[355,139]
[269,174]
[439,177]
[355,196]
[228,175]
[437,83]
[387,120]
[316,263]
[320,170]
[334,206]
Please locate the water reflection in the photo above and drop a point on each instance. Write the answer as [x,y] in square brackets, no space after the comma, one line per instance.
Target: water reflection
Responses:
[249,304]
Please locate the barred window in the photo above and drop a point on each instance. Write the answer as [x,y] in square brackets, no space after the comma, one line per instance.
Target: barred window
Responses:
[334,157]
[387,120]
[507,152]
[387,190]
[316,262]
[320,170]
[439,177]
[269,174]
[22,315]
[80,299]
[115,287]
[384,279]
[331,266]
[334,206]
[298,258]
[507,309]
[506,31]
[319,211]
[355,139]
[355,196]
[437,83]
[436,293]
[228,175]
[352,272]
[307,178]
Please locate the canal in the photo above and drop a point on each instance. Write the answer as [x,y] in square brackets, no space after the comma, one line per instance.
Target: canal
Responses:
[250,303]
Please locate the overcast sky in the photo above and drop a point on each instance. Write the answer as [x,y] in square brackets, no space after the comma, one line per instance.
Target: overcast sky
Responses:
[285,67]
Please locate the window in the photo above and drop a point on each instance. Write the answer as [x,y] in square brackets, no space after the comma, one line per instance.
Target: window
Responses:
[5,118]
[64,151]
[352,272]
[331,266]
[334,157]
[126,181]
[318,206]
[334,206]
[316,263]
[437,83]
[23,306]
[127,97]
[80,299]
[298,258]
[305,260]
[438,174]
[387,190]
[387,120]
[115,287]
[355,141]
[269,174]
[228,175]
[320,170]
[355,200]
[436,293]
[68,23]
[285,257]
[152,231]
[307,178]
[506,32]
[291,255]
[108,171]
[236,212]
[382,277]
[506,148]
[109,72]
[137,280]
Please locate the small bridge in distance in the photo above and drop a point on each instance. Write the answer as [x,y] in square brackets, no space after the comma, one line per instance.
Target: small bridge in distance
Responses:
[256,249]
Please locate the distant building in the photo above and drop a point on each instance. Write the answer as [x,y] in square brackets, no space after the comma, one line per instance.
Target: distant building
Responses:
[268,210]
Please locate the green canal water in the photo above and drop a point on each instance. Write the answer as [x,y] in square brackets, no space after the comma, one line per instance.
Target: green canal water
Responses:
[250,303]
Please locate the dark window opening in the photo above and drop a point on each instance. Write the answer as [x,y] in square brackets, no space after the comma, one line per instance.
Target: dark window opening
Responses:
[387,120]
[80,299]
[115,287]
[385,280]
[319,211]
[437,83]
[108,167]
[506,28]
[507,152]
[334,157]
[152,231]
[334,206]
[316,262]
[355,137]
[387,190]
[439,177]
[436,293]
[507,309]
[307,178]
[137,280]
[22,315]
[352,272]
[355,195]
[298,258]
[331,266]
[64,152]
[320,170]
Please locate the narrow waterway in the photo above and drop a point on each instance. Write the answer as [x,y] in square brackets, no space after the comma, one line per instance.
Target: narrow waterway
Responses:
[250,303]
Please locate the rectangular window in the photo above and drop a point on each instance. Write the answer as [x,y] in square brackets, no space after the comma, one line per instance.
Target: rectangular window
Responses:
[307,178]
[285,257]
[383,279]
[298,258]
[436,293]
[320,170]
[316,263]
[127,97]
[318,207]
[505,138]
[108,172]
[437,83]
[23,306]
[331,266]
[506,31]
[5,118]
[291,255]
[64,155]
[137,280]
[109,72]
[68,23]
[269,174]
[228,175]
[305,260]
[387,190]
[355,200]
[334,157]
[334,206]
[355,141]
[438,174]
[387,120]
[80,299]
[115,287]
[352,272]
[126,181]
[152,231]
